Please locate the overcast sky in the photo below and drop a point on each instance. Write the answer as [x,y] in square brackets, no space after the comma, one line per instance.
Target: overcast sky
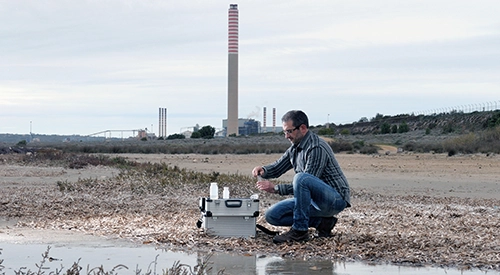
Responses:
[80,67]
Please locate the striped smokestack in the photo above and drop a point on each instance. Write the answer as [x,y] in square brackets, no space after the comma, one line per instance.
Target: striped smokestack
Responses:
[232,92]
[274,120]
[264,120]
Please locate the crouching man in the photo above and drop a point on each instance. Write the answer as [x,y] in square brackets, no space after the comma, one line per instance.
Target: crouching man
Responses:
[319,188]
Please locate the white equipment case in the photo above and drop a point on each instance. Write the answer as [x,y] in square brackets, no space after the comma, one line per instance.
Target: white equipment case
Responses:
[229,217]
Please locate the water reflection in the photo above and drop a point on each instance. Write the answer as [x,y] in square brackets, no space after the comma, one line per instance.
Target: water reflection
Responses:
[148,258]
[231,264]
[276,265]
[237,264]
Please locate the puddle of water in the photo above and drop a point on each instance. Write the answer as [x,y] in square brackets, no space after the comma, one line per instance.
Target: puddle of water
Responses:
[134,257]
[143,258]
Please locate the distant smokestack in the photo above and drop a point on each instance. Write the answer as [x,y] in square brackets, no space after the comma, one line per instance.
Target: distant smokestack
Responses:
[162,122]
[232,92]
[274,120]
[264,121]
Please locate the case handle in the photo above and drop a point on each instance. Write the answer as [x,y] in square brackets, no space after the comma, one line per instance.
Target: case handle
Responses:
[233,203]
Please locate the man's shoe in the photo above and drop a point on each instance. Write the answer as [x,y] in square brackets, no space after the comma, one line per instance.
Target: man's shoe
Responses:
[325,227]
[292,236]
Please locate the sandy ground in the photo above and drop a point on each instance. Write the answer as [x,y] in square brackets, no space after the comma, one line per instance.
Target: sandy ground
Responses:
[467,176]
[391,176]
[32,176]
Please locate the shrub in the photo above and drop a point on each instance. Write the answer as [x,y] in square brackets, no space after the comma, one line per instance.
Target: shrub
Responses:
[358,144]
[344,132]
[176,136]
[493,121]
[385,128]
[207,132]
[466,144]
[369,149]
[410,146]
[340,146]
[490,141]
[491,135]
[448,128]
[403,128]
[394,129]
[326,132]
[22,143]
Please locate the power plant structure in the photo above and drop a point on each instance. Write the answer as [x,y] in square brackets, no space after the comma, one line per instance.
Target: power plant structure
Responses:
[232,83]
[249,126]
[264,130]
[274,120]
[162,122]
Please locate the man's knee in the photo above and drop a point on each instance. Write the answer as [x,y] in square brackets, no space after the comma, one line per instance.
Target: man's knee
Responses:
[270,219]
[302,180]
[299,178]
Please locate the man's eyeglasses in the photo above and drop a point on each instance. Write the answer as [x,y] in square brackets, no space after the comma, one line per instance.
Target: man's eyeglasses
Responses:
[289,131]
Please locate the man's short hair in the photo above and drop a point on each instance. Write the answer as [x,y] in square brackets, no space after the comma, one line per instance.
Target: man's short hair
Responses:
[297,117]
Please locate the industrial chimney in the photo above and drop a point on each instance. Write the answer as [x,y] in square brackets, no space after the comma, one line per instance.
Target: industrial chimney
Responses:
[232,87]
[264,119]
[274,120]
[162,122]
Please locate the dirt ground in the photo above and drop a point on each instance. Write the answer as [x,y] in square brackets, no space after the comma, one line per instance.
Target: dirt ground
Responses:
[467,176]
[398,197]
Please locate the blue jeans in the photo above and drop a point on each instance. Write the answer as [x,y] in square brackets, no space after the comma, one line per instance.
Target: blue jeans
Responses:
[313,199]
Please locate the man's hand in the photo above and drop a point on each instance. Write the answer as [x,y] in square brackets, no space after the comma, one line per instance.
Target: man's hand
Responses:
[266,186]
[258,171]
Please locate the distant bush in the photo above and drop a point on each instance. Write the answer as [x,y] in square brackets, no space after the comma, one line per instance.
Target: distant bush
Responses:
[341,146]
[403,127]
[358,144]
[22,143]
[176,136]
[394,129]
[410,146]
[466,144]
[345,132]
[489,140]
[493,121]
[369,149]
[196,135]
[492,135]
[385,128]
[448,128]
[484,142]
[326,132]
[207,132]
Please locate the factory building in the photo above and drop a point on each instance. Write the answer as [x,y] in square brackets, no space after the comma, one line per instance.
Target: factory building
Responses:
[246,126]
